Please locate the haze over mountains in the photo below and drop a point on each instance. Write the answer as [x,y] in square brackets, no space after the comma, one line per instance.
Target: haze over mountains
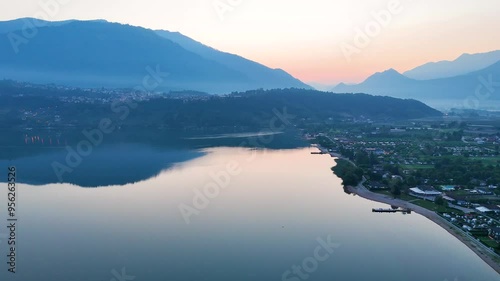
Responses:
[466,63]
[480,84]
[103,54]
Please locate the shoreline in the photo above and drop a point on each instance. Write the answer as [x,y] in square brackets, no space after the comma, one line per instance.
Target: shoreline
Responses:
[476,246]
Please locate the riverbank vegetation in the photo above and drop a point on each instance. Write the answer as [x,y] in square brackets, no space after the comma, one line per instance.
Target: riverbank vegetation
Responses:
[349,173]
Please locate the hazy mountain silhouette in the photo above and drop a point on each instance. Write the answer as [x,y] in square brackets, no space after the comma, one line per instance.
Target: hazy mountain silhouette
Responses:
[389,82]
[466,63]
[103,54]
[19,24]
[392,83]
[266,77]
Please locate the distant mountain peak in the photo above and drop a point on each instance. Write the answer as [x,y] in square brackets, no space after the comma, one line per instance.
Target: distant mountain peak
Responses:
[451,89]
[391,70]
[388,75]
[388,72]
[464,55]
[464,64]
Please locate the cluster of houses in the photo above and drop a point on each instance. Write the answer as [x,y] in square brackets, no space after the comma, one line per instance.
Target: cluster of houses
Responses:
[109,96]
[483,140]
[481,220]
[476,224]
[472,151]
[430,193]
[494,233]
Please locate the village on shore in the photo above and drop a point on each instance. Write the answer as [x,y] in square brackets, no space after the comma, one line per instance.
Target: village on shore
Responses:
[451,168]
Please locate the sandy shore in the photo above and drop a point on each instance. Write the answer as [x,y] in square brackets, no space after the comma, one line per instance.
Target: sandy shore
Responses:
[473,244]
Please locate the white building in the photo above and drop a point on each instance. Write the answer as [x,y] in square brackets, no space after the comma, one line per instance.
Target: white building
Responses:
[419,192]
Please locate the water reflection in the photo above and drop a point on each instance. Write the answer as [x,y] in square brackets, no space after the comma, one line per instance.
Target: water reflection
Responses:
[268,219]
[107,165]
[42,162]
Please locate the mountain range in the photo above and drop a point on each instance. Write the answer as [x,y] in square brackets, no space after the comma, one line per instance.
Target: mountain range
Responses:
[466,63]
[479,84]
[104,54]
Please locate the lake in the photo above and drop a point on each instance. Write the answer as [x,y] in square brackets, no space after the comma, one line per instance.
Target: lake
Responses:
[219,213]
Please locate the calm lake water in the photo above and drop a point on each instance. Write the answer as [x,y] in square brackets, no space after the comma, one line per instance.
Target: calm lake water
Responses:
[277,209]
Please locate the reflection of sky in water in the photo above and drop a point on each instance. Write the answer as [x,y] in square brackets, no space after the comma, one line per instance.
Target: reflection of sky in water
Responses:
[265,221]
[236,136]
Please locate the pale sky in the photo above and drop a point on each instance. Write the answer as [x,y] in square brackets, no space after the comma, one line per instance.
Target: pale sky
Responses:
[305,38]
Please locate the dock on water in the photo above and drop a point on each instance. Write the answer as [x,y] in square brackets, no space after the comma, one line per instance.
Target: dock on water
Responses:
[323,150]
[380,210]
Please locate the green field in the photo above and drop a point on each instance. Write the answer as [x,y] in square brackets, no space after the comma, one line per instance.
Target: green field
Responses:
[433,207]
[488,242]
[459,193]
[404,197]
[487,160]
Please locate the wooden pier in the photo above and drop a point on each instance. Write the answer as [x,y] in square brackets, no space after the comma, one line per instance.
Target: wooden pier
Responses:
[404,211]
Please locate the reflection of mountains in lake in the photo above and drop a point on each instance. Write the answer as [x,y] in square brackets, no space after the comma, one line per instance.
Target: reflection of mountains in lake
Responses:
[115,163]
[106,165]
